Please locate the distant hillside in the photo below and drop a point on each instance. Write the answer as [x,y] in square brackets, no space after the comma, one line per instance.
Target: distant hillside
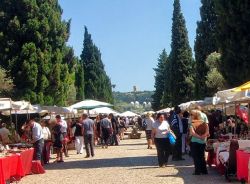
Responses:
[141,96]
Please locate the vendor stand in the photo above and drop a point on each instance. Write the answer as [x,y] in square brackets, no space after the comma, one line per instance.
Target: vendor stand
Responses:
[243,157]
[15,164]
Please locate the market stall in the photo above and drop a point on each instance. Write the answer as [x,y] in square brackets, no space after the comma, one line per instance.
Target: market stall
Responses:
[15,164]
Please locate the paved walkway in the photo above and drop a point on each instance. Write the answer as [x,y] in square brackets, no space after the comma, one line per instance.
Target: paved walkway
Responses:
[128,163]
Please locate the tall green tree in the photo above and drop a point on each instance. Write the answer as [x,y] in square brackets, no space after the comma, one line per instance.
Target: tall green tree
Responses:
[233,37]
[159,81]
[97,84]
[181,66]
[79,81]
[205,44]
[33,49]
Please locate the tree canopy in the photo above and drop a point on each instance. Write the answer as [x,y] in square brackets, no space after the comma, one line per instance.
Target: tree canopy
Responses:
[97,84]
[33,49]
[205,44]
[160,72]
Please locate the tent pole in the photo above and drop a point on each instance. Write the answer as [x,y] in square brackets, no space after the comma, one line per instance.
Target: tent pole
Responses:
[10,111]
[16,119]
[235,111]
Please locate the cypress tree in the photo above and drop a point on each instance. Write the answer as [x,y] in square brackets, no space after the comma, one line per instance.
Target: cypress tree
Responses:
[159,81]
[205,44]
[97,84]
[79,81]
[233,37]
[33,43]
[181,59]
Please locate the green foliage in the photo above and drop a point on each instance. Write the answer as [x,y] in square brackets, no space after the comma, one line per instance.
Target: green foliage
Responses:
[160,73]
[79,82]
[233,37]
[122,101]
[97,84]
[141,96]
[214,79]
[33,49]
[205,44]
[6,83]
[180,69]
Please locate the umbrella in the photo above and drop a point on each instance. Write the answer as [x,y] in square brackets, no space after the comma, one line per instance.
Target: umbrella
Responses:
[166,110]
[103,110]
[242,87]
[148,112]
[90,104]
[129,114]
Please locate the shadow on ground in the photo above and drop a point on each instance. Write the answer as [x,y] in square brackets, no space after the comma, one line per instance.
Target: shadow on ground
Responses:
[185,171]
[149,161]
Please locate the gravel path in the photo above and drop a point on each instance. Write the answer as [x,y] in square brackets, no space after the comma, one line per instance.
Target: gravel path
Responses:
[128,163]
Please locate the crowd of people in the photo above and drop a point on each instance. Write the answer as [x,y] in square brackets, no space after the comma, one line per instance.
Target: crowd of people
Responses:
[190,130]
[55,135]
[183,125]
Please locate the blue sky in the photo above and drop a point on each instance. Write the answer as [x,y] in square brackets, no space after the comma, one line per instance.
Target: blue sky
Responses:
[130,34]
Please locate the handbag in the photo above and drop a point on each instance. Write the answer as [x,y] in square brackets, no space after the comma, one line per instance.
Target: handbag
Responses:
[172,138]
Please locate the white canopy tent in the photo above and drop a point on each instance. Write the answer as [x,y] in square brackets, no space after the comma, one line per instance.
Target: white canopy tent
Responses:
[241,96]
[129,114]
[5,104]
[103,110]
[148,112]
[225,96]
[166,110]
[190,105]
[90,104]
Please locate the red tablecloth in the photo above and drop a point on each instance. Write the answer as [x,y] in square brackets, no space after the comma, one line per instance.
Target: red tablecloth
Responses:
[242,164]
[16,166]
[26,160]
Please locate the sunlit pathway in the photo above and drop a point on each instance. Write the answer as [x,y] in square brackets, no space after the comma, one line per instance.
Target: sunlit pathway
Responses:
[128,163]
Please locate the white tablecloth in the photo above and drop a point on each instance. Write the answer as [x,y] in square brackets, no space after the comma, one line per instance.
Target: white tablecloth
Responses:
[220,147]
[244,144]
[223,157]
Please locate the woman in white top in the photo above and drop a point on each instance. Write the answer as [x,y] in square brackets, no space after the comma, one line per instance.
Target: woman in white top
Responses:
[47,142]
[160,132]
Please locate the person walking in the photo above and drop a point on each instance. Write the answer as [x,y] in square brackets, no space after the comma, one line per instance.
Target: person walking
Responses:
[177,128]
[58,141]
[37,139]
[198,142]
[106,131]
[88,132]
[114,140]
[148,123]
[47,141]
[78,134]
[159,136]
[121,124]
[64,128]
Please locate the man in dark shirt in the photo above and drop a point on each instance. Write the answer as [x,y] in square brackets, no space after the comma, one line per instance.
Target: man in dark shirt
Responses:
[115,130]
[177,128]
[88,131]
[185,130]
